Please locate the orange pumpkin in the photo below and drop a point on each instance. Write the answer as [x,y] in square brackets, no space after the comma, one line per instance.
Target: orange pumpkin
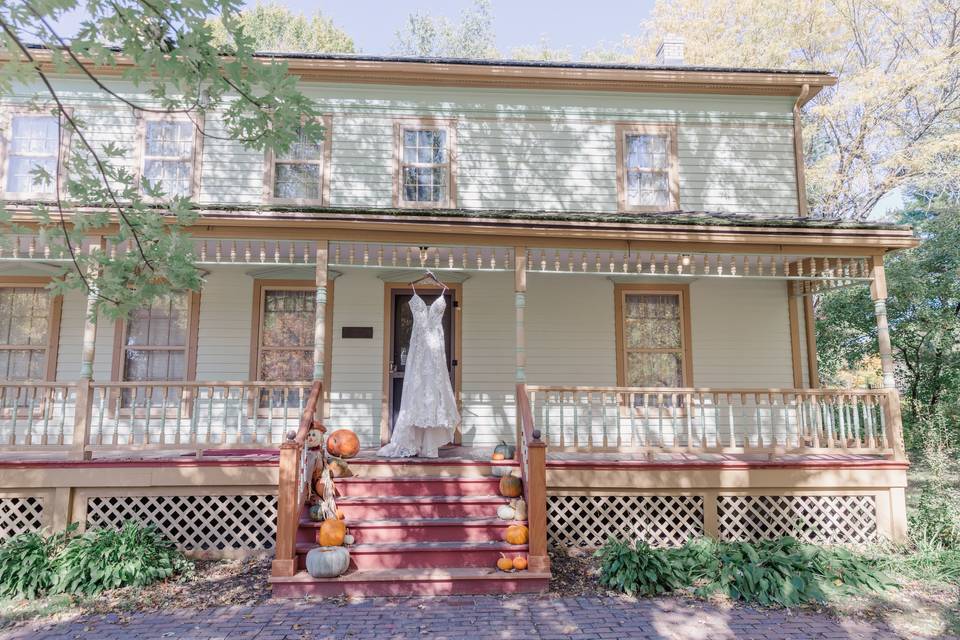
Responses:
[504,564]
[516,534]
[511,486]
[331,533]
[497,456]
[519,563]
[343,443]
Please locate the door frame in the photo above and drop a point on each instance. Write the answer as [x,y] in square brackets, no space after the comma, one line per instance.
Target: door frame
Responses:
[456,290]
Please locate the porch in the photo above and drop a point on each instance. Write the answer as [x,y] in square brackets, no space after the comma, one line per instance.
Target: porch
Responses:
[743,445]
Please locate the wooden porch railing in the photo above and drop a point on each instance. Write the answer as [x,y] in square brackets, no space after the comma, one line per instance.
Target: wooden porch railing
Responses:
[532,455]
[293,486]
[84,417]
[769,421]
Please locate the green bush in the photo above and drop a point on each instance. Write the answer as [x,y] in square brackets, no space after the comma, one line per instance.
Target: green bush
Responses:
[32,565]
[107,559]
[27,567]
[783,571]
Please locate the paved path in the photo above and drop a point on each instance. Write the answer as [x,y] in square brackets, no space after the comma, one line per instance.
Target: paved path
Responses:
[464,618]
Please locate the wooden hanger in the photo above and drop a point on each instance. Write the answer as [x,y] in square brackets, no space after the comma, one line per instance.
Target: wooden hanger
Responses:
[428,275]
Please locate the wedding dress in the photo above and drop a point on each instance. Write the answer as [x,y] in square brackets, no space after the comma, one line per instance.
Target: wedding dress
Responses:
[428,408]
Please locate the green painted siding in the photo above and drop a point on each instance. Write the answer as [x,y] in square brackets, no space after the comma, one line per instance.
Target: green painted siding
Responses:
[525,150]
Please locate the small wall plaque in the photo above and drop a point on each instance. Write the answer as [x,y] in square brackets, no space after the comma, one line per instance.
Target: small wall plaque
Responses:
[357,332]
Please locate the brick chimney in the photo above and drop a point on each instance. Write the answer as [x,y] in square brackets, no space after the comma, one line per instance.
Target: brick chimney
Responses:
[670,51]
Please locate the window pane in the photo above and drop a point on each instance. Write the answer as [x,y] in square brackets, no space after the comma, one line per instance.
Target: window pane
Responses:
[652,321]
[24,314]
[654,370]
[297,181]
[303,149]
[157,364]
[163,324]
[647,189]
[646,151]
[34,135]
[170,176]
[288,319]
[426,146]
[20,178]
[169,139]
[424,184]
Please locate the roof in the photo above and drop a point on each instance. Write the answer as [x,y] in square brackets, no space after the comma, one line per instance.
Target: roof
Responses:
[544,64]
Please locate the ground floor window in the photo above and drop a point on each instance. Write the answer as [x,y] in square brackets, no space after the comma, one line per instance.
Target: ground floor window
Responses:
[29,324]
[653,335]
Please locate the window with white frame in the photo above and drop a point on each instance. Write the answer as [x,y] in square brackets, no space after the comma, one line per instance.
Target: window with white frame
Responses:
[169,148]
[425,166]
[34,142]
[648,174]
[298,174]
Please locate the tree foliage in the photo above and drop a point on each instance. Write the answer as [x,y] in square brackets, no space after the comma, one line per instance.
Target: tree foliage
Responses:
[274,27]
[170,57]
[437,36]
[891,122]
[923,309]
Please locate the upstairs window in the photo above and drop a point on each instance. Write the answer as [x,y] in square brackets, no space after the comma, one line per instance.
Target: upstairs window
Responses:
[425,165]
[33,142]
[653,336]
[169,155]
[299,176]
[647,172]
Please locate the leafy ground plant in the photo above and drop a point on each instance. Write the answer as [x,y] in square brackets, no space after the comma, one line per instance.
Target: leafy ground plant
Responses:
[779,572]
[107,559]
[27,564]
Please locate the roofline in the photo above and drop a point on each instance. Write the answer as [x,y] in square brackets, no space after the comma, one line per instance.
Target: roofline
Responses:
[460,72]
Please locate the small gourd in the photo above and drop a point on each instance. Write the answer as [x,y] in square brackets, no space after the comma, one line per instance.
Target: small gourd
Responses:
[516,534]
[339,468]
[327,562]
[497,456]
[316,512]
[519,508]
[331,533]
[506,449]
[504,564]
[511,486]
[348,539]
[506,512]
[519,563]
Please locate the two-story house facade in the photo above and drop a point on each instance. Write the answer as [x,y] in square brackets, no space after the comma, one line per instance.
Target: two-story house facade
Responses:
[629,268]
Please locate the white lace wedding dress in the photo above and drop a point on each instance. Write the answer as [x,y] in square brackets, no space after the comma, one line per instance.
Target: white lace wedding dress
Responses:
[428,408]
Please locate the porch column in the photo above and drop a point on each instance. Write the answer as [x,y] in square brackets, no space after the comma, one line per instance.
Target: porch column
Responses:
[520,303]
[319,323]
[83,412]
[878,292]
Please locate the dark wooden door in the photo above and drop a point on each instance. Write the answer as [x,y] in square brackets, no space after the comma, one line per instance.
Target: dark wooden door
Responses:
[402,327]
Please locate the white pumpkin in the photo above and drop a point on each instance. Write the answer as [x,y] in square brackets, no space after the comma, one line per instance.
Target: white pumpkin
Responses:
[348,539]
[327,562]
[506,512]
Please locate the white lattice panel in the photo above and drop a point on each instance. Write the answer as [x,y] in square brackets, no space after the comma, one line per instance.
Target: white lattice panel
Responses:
[818,519]
[194,523]
[589,521]
[19,515]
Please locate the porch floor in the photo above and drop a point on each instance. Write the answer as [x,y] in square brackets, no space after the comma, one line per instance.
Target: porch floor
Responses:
[467,455]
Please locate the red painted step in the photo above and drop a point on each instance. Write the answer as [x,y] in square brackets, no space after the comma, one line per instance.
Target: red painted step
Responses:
[417,582]
[418,486]
[423,555]
[417,530]
[394,507]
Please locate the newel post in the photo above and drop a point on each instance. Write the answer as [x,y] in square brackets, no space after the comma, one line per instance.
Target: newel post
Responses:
[891,408]
[288,506]
[537,507]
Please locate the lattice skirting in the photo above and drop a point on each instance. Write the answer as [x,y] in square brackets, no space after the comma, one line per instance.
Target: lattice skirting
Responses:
[589,521]
[833,519]
[206,523]
[19,515]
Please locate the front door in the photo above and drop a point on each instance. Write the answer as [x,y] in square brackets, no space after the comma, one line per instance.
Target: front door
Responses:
[401,321]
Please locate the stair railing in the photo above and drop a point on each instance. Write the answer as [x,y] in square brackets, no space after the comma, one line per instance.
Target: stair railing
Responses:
[293,486]
[532,455]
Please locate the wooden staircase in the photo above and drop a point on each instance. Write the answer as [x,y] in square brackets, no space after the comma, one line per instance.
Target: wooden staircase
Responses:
[421,527]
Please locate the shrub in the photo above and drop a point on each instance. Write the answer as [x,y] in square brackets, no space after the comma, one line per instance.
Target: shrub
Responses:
[783,571]
[27,564]
[641,570]
[107,559]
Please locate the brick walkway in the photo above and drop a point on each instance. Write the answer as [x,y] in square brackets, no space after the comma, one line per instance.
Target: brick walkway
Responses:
[464,618]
